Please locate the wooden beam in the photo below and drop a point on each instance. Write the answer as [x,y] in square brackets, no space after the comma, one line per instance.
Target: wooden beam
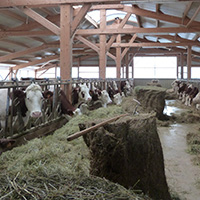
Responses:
[157,11]
[158,16]
[46,3]
[4,34]
[193,17]
[66,14]
[27,51]
[102,49]
[179,39]
[121,25]
[189,63]
[13,15]
[118,57]
[35,62]
[186,10]
[127,66]
[136,30]
[181,65]
[150,44]
[138,17]
[41,20]
[79,17]
[16,43]
[93,46]
[127,48]
[88,43]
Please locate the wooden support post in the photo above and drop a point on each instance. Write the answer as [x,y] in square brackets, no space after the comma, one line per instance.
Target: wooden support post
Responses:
[189,59]
[79,61]
[127,65]
[102,52]
[177,65]
[118,57]
[66,15]
[181,64]
[133,67]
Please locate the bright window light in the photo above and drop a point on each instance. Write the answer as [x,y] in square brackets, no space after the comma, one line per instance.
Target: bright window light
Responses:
[155,67]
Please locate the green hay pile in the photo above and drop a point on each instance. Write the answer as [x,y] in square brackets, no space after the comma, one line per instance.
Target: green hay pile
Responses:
[53,168]
[153,88]
[193,141]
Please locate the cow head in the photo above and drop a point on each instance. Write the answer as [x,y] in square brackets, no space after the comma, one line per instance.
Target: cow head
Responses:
[105,98]
[117,99]
[33,100]
[84,93]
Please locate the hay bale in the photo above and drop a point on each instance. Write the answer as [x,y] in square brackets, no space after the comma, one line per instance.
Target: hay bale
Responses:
[129,152]
[152,99]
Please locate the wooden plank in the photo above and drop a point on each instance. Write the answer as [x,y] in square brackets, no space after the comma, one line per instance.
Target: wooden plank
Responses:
[83,132]
[40,131]
[41,20]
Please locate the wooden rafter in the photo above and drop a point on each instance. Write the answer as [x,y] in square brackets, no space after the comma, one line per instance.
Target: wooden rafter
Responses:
[54,57]
[186,10]
[13,15]
[136,30]
[178,38]
[79,17]
[193,17]
[127,48]
[157,11]
[41,20]
[159,16]
[93,46]
[138,18]
[121,25]
[27,51]
[150,44]
[15,43]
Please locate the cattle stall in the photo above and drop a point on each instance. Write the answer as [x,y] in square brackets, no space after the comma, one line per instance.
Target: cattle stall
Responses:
[14,125]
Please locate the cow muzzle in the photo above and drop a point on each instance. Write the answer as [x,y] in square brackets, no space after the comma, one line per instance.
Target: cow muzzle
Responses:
[36,114]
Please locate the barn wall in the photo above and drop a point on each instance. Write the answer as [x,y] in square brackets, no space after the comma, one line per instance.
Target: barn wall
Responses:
[166,83]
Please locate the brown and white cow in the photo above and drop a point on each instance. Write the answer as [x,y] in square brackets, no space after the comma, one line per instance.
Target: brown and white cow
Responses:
[66,106]
[30,102]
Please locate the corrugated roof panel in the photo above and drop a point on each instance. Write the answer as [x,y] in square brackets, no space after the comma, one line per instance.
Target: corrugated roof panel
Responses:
[188,36]
[148,6]
[192,10]
[174,9]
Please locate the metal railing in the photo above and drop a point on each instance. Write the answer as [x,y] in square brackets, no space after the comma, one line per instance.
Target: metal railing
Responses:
[14,123]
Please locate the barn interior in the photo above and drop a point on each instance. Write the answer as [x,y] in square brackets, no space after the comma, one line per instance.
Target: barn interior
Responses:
[103,37]
[103,34]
